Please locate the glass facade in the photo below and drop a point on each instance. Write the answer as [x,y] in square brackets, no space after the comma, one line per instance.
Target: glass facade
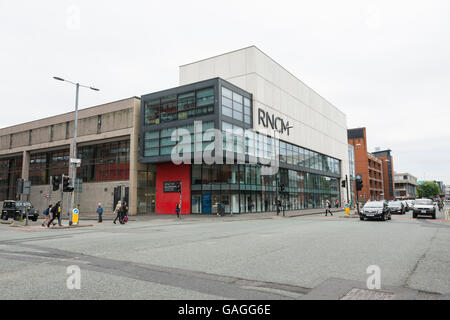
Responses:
[46,164]
[242,189]
[10,171]
[179,106]
[104,162]
[236,106]
[309,177]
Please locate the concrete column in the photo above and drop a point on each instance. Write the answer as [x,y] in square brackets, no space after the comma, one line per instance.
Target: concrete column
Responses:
[25,165]
[135,166]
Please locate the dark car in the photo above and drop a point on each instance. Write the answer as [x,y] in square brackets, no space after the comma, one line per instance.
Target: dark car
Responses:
[397,207]
[17,210]
[375,210]
[424,207]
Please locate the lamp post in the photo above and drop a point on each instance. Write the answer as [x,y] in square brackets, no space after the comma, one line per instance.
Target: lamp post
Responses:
[75,129]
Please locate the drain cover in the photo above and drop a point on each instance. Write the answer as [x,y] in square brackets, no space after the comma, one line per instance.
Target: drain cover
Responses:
[365,294]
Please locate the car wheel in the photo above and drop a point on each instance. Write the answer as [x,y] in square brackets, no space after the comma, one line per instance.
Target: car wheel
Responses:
[361,218]
[414,215]
[433,216]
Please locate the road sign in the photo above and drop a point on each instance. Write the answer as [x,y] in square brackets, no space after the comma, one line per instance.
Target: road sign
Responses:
[73,160]
[75,213]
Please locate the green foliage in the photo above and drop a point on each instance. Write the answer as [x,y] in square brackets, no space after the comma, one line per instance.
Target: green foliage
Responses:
[428,190]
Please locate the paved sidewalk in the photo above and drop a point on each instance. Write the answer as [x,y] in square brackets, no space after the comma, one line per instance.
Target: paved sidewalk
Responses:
[228,217]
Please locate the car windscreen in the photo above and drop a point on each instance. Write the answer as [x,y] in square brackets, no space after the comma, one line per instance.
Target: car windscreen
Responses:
[373,205]
[8,205]
[424,202]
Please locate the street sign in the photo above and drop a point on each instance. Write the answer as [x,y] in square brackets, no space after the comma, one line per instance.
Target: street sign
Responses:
[73,160]
[171,186]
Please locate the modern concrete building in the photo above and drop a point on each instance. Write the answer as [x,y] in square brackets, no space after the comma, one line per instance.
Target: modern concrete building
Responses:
[367,166]
[107,145]
[126,145]
[405,186]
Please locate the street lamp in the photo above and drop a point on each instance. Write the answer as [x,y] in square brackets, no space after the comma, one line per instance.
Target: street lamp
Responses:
[74,165]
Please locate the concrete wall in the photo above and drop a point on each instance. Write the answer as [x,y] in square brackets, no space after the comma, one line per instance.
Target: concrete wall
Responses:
[119,120]
[317,124]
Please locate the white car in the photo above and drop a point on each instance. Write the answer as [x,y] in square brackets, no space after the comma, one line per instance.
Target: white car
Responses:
[424,207]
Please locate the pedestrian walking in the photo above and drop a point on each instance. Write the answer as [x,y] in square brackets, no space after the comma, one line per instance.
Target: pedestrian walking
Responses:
[328,208]
[118,212]
[47,215]
[337,204]
[124,212]
[56,214]
[100,212]
[178,210]
[278,204]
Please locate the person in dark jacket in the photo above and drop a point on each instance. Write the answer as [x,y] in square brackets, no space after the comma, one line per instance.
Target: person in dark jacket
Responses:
[100,212]
[328,208]
[47,215]
[177,210]
[124,212]
[56,213]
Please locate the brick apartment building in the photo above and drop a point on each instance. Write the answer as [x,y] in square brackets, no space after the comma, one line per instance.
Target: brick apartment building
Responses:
[388,173]
[367,165]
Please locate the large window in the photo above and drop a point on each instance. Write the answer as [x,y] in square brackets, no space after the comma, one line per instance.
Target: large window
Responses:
[47,164]
[105,162]
[236,106]
[178,107]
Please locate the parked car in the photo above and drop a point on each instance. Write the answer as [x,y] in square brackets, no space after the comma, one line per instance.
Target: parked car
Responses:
[397,207]
[375,210]
[424,207]
[410,204]
[17,210]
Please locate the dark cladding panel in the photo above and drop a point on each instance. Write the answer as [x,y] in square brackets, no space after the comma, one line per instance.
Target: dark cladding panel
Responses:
[357,133]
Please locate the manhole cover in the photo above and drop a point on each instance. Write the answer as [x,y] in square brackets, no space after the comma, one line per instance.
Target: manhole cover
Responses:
[364,294]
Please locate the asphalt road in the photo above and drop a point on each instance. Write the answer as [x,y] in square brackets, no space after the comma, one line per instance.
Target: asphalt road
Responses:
[275,258]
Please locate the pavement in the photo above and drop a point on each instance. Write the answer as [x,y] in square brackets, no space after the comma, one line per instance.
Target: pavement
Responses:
[241,257]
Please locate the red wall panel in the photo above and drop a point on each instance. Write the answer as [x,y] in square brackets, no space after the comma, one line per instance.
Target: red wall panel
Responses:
[166,202]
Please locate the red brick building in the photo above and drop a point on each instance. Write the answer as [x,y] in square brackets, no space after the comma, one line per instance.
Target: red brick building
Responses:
[388,173]
[367,165]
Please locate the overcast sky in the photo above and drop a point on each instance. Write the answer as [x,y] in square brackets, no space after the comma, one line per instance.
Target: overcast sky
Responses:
[386,64]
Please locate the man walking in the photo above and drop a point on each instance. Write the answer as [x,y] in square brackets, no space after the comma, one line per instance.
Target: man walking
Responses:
[177,210]
[100,212]
[56,213]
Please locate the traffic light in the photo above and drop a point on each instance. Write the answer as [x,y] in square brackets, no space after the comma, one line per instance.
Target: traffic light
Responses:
[359,185]
[282,188]
[343,184]
[56,181]
[67,185]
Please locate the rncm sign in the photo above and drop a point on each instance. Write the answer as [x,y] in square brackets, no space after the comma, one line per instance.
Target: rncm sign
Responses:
[265,119]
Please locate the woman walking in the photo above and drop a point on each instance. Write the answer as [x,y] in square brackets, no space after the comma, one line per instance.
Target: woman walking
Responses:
[47,215]
[124,213]
[118,212]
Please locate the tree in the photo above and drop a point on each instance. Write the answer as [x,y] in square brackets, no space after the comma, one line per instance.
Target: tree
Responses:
[428,190]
